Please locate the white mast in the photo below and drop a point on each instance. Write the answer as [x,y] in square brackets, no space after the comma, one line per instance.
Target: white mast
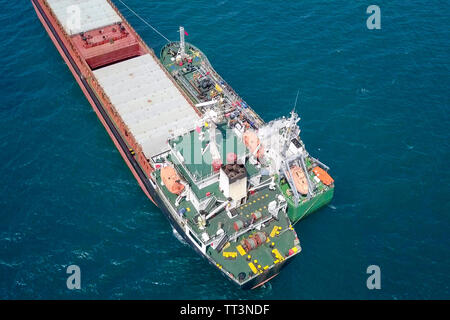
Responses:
[182,44]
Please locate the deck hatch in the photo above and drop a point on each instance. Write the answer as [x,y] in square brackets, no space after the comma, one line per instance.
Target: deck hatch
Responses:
[147,100]
[93,14]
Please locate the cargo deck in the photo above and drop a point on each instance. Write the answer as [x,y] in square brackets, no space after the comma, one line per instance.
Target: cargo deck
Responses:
[147,101]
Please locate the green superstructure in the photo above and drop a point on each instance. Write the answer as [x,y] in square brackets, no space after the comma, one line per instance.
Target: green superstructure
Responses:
[187,75]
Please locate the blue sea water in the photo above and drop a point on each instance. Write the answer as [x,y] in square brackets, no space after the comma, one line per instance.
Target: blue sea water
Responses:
[374,106]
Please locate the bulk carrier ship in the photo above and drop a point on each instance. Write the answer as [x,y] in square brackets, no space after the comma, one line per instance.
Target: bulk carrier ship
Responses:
[230,184]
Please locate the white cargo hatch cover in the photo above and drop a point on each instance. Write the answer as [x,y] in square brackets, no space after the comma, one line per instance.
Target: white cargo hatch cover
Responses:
[147,100]
[93,14]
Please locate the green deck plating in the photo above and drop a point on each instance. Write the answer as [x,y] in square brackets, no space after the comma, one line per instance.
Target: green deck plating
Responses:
[281,241]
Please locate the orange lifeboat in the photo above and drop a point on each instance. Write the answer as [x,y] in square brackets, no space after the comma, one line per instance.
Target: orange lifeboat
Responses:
[252,142]
[301,184]
[171,180]
[323,176]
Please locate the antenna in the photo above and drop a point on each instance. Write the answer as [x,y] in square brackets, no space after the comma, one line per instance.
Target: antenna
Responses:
[296,98]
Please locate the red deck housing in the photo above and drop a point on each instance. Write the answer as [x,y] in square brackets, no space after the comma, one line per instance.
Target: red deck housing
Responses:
[107,45]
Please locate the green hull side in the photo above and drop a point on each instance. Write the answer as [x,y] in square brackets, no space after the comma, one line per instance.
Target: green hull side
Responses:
[308,207]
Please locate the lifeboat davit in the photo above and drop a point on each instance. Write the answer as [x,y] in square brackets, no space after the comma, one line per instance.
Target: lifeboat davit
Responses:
[171,180]
[300,181]
[252,142]
[323,176]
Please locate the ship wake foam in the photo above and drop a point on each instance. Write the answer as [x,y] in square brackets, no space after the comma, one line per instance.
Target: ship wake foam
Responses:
[178,236]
